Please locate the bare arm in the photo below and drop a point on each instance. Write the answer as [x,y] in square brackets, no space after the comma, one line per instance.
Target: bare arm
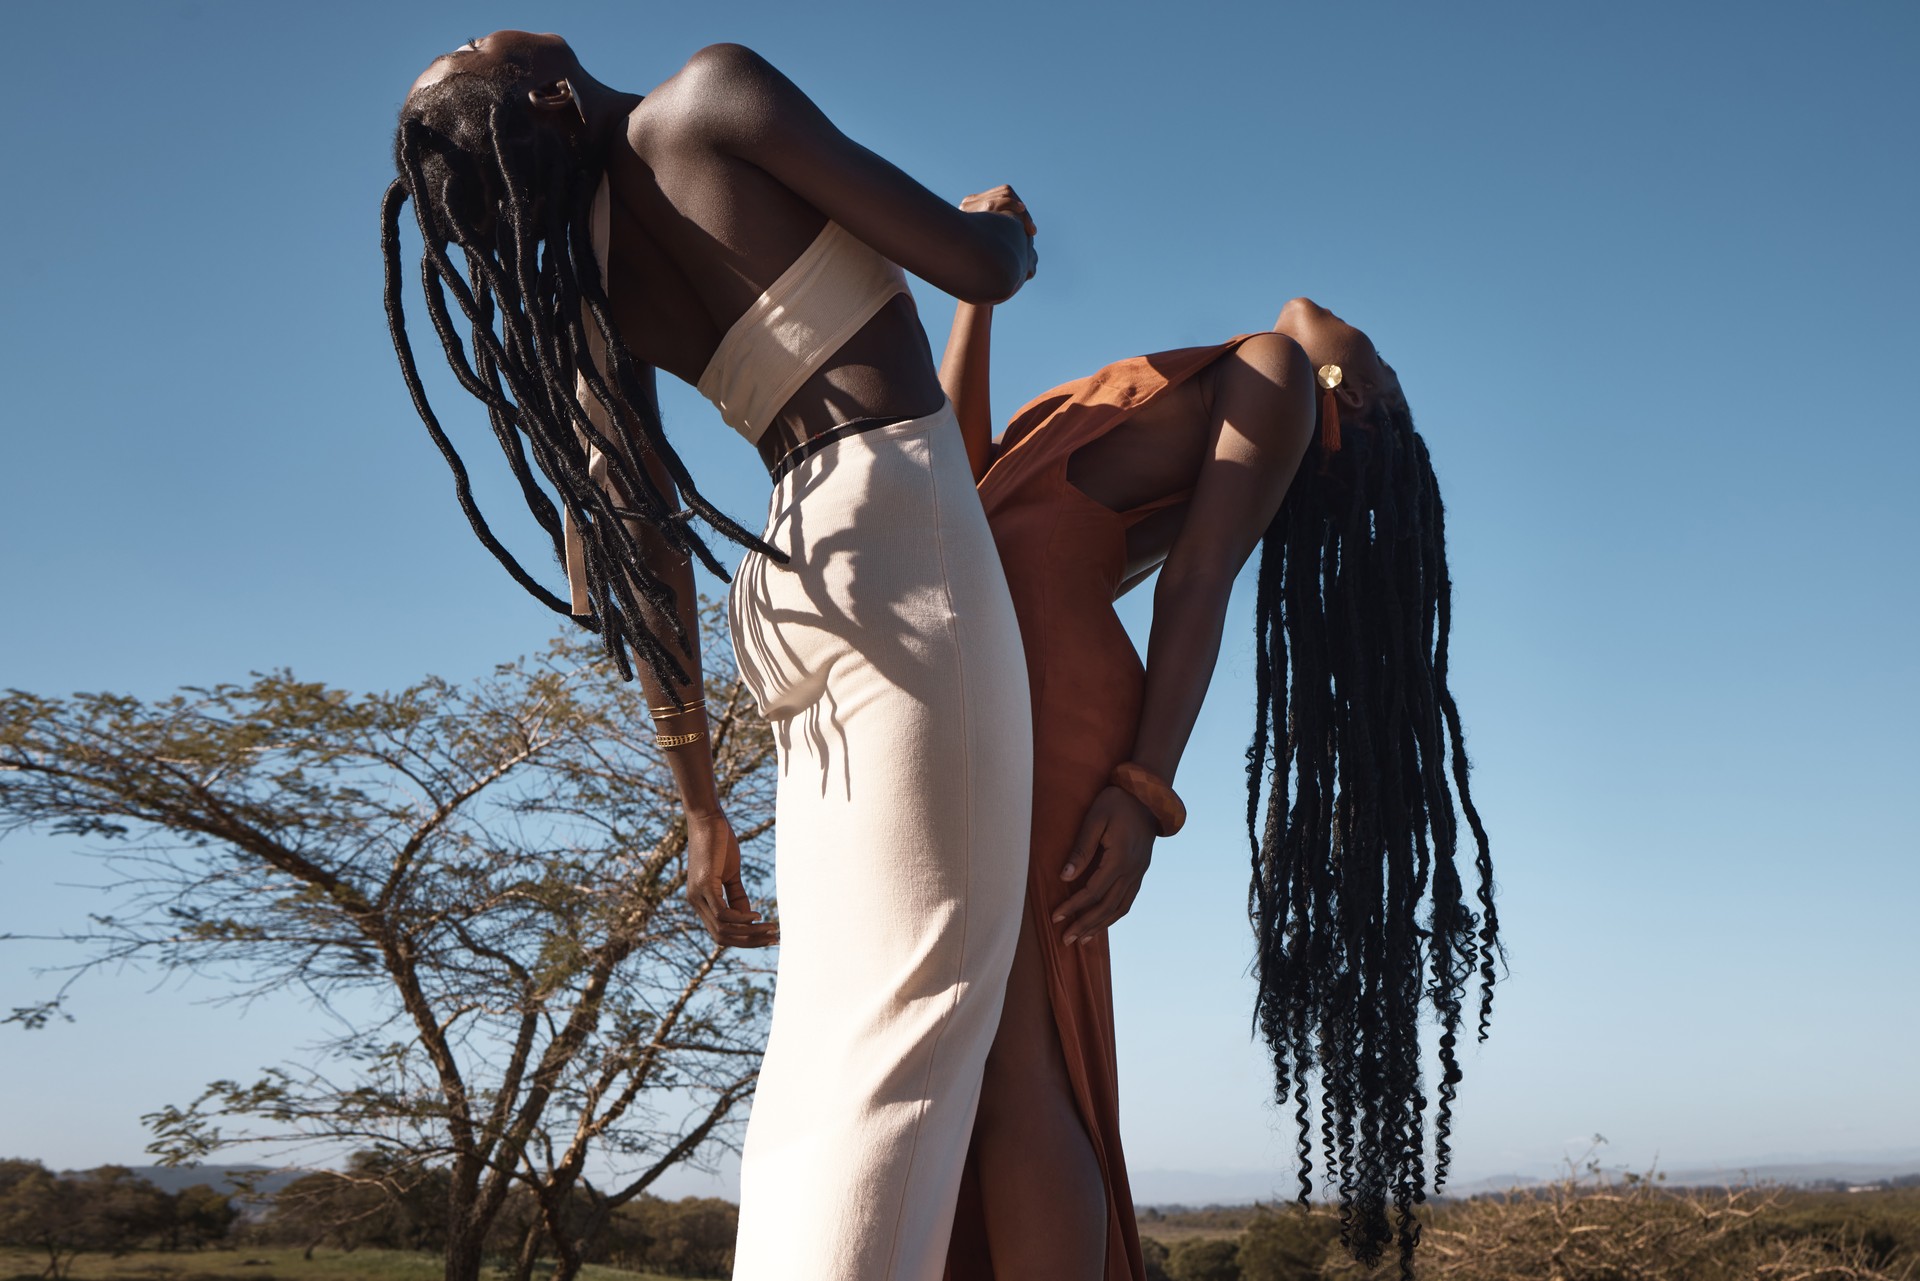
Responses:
[964,377]
[965,369]
[1247,474]
[715,886]
[1262,423]
[751,111]
[1263,419]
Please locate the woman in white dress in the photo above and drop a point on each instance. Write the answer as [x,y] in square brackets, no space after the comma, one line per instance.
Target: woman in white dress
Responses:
[723,230]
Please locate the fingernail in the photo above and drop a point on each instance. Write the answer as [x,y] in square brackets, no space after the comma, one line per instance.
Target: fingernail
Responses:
[1059,917]
[1066,873]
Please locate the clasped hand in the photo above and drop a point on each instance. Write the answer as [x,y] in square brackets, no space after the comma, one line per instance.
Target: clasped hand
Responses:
[1004,200]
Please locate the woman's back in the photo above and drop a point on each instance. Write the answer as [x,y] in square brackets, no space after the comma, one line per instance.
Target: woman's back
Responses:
[724,177]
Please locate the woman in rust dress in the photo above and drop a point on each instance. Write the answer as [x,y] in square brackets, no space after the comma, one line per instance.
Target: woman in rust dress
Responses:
[1184,462]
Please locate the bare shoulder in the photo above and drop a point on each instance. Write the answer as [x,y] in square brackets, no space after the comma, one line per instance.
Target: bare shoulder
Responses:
[718,87]
[1277,356]
[1269,378]
[727,66]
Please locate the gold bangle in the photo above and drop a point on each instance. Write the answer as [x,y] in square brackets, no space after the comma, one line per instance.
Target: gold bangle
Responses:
[657,712]
[679,740]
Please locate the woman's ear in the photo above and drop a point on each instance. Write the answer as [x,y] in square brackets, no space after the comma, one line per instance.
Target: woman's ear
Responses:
[1352,399]
[554,96]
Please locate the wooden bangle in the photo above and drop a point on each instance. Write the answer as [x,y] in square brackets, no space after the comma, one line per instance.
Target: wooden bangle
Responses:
[1152,791]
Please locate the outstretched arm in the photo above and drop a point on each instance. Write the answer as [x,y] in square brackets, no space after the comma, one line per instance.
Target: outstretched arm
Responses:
[964,377]
[1262,421]
[749,110]
[964,370]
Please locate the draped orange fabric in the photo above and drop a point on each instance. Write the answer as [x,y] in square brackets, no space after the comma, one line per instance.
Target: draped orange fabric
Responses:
[1065,556]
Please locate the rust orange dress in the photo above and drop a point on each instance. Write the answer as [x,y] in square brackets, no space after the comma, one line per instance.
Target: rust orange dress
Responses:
[1065,557]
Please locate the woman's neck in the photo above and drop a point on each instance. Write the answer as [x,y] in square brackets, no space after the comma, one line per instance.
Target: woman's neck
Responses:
[604,111]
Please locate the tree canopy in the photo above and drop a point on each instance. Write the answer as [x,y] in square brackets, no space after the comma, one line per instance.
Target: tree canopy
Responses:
[481,885]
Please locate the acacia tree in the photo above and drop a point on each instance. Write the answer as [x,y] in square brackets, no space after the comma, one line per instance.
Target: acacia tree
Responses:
[481,884]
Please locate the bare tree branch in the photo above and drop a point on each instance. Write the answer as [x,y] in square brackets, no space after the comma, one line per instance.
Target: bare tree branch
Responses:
[481,884]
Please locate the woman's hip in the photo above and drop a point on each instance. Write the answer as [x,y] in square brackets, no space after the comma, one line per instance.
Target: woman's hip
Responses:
[891,583]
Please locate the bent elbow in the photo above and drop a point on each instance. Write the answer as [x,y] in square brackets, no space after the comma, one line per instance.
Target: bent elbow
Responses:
[992,280]
[995,265]
[987,281]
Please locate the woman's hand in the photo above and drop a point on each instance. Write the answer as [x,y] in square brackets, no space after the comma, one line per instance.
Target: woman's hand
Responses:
[1000,199]
[1116,843]
[1004,200]
[714,886]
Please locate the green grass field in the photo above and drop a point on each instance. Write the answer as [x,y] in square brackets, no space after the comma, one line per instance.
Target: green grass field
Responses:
[261,1264]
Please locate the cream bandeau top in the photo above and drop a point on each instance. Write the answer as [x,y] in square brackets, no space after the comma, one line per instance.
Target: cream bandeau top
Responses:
[817,304]
[832,289]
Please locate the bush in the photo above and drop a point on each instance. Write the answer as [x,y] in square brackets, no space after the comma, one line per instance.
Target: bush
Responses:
[1592,1230]
[692,1237]
[1589,1228]
[1205,1259]
[105,1211]
[1884,1225]
[202,1216]
[377,1203]
[1288,1243]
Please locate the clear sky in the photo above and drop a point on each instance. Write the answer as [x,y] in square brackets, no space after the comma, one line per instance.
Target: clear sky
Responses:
[1647,272]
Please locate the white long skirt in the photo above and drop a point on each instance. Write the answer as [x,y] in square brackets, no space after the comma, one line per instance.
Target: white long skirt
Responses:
[887,657]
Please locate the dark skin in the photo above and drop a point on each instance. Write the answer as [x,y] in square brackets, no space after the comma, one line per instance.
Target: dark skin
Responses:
[720,178]
[1235,434]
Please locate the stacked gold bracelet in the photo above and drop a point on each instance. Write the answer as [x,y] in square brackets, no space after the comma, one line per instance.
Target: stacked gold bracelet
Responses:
[659,714]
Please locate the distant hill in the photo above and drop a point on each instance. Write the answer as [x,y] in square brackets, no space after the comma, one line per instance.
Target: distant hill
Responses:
[1170,1189]
[1792,1174]
[222,1178]
[1798,1173]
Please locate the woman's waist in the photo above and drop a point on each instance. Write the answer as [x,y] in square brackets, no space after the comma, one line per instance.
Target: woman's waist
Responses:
[816,412]
[1049,555]
[1087,726]
[879,476]
[883,371]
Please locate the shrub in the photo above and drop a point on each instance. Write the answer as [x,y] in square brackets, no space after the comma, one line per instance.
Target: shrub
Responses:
[692,1237]
[1205,1259]
[1588,1228]
[1287,1243]
[1591,1230]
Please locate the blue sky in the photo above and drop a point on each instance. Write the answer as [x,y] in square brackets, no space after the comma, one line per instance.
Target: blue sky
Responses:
[1646,272]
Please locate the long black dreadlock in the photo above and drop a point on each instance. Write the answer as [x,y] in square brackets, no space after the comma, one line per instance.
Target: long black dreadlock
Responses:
[1361,917]
[516,198]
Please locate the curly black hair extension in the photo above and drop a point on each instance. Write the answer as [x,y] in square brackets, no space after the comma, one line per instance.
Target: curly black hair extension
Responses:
[1356,763]
[516,198]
